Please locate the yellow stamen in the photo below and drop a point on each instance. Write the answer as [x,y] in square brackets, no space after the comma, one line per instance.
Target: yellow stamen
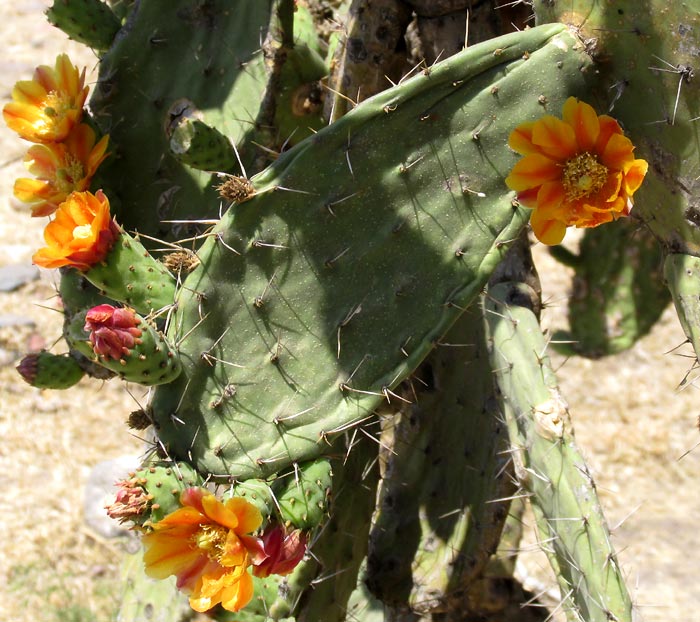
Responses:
[211,539]
[66,176]
[583,176]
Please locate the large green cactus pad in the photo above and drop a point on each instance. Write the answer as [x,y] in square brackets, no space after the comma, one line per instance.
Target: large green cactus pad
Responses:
[362,246]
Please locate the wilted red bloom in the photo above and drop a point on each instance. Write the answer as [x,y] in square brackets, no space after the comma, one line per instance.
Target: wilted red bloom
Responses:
[284,551]
[206,545]
[81,233]
[579,171]
[130,503]
[60,168]
[113,330]
[46,108]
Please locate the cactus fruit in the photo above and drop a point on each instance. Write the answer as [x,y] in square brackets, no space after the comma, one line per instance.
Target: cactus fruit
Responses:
[45,370]
[302,500]
[129,274]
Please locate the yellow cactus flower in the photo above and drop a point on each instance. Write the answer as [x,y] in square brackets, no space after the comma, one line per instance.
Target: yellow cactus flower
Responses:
[60,168]
[206,545]
[577,171]
[46,108]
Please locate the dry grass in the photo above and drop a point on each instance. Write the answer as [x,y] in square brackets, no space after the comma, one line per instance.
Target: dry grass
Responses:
[630,420]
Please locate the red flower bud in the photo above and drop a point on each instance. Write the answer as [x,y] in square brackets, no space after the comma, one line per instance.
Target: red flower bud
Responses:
[113,330]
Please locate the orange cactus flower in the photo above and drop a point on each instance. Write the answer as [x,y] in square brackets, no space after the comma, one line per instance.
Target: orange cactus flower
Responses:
[206,545]
[81,233]
[46,108]
[60,168]
[577,171]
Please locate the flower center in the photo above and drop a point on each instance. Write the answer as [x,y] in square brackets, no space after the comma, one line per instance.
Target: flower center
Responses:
[583,176]
[82,232]
[69,174]
[55,107]
[211,539]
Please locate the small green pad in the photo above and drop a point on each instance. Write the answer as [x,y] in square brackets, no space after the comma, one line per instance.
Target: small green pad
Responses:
[302,498]
[90,22]
[45,370]
[129,274]
[201,146]
[165,481]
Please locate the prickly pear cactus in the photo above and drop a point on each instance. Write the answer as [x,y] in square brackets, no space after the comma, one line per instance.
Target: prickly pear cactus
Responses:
[328,237]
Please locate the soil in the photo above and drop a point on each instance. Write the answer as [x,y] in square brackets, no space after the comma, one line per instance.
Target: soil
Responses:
[634,416]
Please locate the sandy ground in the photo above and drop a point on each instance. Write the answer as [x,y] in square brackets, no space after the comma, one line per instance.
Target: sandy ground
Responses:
[631,420]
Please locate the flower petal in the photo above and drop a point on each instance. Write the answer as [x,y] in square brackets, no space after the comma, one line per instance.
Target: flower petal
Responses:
[167,556]
[546,230]
[617,152]
[584,120]
[237,596]
[520,139]
[554,138]
[219,513]
[249,517]
[634,176]
[549,198]
[531,171]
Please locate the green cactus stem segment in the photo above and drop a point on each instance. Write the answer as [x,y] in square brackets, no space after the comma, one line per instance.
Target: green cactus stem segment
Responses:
[618,292]
[682,274]
[436,523]
[550,468]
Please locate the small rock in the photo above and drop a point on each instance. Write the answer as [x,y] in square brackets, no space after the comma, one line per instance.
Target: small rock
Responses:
[14,276]
[8,319]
